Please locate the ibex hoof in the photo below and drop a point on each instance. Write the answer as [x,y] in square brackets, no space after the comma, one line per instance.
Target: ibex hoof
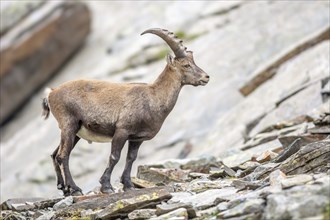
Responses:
[131,188]
[77,193]
[107,190]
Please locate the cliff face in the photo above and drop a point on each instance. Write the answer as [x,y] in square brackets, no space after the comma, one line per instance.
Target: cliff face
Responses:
[269,68]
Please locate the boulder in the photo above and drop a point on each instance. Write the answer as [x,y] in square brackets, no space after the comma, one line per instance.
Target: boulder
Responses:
[37,47]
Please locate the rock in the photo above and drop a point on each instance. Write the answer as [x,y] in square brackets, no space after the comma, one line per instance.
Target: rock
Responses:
[310,158]
[274,131]
[124,206]
[252,206]
[195,175]
[13,12]
[102,202]
[300,202]
[248,165]
[261,172]
[276,177]
[19,204]
[86,197]
[63,203]
[161,176]
[45,203]
[301,140]
[46,216]
[205,199]
[165,208]
[296,142]
[320,130]
[22,204]
[199,164]
[265,156]
[12,215]
[142,183]
[240,184]
[286,124]
[39,45]
[296,180]
[88,213]
[22,207]
[324,118]
[286,110]
[142,214]
[203,185]
[222,206]
[179,214]
[238,159]
[267,71]
[215,174]
[213,211]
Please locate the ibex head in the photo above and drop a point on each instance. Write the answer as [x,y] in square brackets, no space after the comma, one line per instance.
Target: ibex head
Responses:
[183,62]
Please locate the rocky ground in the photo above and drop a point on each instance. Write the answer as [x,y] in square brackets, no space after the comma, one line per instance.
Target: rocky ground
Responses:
[282,173]
[258,132]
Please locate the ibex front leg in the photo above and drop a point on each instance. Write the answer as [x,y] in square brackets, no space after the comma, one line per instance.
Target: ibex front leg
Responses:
[133,148]
[117,144]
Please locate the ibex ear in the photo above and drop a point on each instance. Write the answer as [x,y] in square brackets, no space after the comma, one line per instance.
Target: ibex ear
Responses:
[169,59]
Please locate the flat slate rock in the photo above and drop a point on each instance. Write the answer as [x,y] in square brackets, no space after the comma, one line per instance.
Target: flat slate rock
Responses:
[313,156]
[103,202]
[124,206]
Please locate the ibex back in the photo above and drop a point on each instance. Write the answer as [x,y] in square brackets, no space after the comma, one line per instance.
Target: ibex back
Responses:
[102,111]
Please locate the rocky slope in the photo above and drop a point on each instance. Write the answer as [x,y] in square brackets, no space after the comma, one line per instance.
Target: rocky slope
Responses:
[269,68]
[286,180]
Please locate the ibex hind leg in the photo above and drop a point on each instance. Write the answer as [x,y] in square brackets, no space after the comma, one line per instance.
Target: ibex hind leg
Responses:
[60,181]
[68,141]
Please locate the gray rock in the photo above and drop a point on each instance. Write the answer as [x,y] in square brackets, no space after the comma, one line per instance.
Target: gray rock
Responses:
[124,206]
[244,156]
[240,184]
[142,214]
[102,201]
[21,204]
[179,214]
[213,211]
[296,180]
[261,172]
[253,206]
[205,199]
[276,177]
[5,214]
[310,158]
[165,208]
[67,201]
[222,206]
[12,12]
[46,216]
[266,72]
[161,176]
[298,203]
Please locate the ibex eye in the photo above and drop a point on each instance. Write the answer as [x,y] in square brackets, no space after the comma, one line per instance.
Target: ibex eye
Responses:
[187,66]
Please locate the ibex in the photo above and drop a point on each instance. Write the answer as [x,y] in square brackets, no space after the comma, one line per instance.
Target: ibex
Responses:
[101,111]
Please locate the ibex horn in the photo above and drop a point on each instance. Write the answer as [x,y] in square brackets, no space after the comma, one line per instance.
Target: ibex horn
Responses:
[173,41]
